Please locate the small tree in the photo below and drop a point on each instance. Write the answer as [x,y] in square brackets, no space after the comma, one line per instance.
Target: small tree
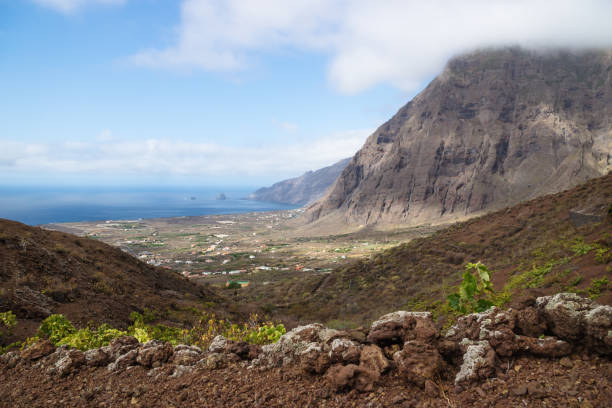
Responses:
[475,292]
[233,285]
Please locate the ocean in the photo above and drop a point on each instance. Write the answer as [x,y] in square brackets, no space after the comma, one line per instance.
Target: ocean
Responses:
[35,206]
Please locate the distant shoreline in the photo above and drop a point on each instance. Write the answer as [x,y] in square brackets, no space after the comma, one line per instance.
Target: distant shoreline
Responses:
[44,208]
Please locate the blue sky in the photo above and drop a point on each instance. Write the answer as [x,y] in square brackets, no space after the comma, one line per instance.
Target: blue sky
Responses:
[233,92]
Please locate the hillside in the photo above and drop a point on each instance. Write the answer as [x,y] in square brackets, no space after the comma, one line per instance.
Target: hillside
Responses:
[559,242]
[495,128]
[302,190]
[44,272]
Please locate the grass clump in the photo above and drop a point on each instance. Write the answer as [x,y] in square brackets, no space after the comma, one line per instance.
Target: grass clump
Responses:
[597,286]
[580,248]
[603,255]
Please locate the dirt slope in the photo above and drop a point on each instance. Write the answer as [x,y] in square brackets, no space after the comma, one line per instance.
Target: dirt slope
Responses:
[44,272]
[495,128]
[530,247]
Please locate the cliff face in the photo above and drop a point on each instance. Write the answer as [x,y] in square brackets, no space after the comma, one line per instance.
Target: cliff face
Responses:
[495,128]
[304,189]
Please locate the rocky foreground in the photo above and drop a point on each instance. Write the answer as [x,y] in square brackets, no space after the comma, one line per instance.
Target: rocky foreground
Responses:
[551,351]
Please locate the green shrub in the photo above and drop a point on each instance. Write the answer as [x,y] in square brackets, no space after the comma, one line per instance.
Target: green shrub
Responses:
[145,332]
[267,333]
[55,328]
[86,339]
[475,292]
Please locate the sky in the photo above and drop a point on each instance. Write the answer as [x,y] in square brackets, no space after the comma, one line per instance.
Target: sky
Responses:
[234,92]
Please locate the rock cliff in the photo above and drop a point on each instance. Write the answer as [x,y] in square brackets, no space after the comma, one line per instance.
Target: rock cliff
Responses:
[496,127]
[305,189]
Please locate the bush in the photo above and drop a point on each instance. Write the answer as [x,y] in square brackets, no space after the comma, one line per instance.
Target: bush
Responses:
[86,339]
[55,328]
[8,321]
[60,331]
[254,331]
[476,291]
[145,332]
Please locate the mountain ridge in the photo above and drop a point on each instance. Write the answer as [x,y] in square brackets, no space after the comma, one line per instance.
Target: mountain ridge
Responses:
[304,189]
[494,128]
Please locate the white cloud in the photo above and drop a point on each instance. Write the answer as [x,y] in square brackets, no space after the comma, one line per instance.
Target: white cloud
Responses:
[288,127]
[179,158]
[68,6]
[401,42]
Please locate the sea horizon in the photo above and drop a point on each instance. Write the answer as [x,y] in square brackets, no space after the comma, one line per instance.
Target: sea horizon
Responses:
[64,204]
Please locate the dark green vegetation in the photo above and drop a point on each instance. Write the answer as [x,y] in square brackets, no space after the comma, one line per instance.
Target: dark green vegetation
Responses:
[536,247]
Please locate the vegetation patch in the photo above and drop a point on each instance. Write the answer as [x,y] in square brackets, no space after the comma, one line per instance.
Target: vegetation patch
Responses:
[475,293]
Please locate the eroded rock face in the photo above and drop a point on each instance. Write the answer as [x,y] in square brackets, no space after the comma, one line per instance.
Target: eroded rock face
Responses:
[69,361]
[402,326]
[501,329]
[154,353]
[573,318]
[473,346]
[344,351]
[565,314]
[530,323]
[351,377]
[123,361]
[373,358]
[181,370]
[474,141]
[10,359]
[314,360]
[478,361]
[186,356]
[217,345]
[38,350]
[122,345]
[243,350]
[544,347]
[418,362]
[292,344]
[598,322]
[97,357]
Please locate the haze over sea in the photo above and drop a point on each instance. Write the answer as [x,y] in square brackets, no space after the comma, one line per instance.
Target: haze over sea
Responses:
[47,205]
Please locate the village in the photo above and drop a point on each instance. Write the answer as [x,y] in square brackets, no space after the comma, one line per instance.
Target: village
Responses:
[238,249]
